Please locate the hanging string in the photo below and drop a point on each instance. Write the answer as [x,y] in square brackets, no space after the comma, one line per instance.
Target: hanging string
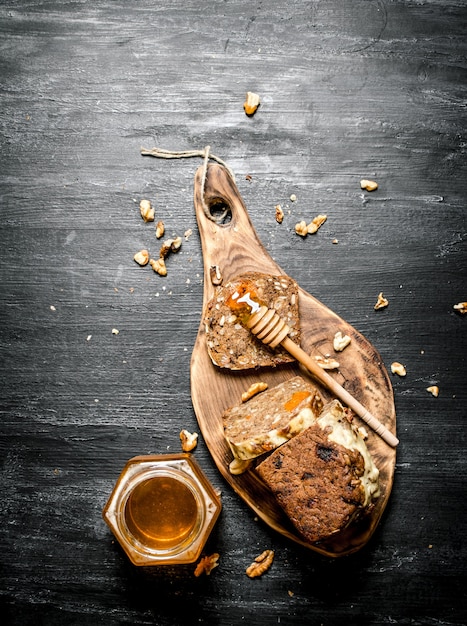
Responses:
[160,153]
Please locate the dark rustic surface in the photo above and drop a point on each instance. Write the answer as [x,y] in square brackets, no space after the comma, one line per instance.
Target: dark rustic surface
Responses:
[372,89]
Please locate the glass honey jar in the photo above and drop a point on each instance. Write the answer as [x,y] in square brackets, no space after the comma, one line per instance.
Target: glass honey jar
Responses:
[162,509]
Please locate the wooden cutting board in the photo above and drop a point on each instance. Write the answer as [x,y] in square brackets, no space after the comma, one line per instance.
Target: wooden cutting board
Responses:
[233,248]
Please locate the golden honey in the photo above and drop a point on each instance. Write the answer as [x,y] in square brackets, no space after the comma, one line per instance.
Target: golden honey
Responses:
[161,512]
[162,509]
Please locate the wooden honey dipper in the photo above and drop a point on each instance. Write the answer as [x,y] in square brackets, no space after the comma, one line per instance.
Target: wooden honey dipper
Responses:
[267,326]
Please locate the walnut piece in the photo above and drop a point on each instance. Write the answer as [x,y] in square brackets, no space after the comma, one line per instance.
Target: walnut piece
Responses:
[207,564]
[170,245]
[301,228]
[254,389]
[461,307]
[382,302]
[251,103]
[316,223]
[261,564]
[160,229]
[142,257]
[146,210]
[326,363]
[159,266]
[434,390]
[238,466]
[215,274]
[279,214]
[189,440]
[340,341]
[398,368]
[369,185]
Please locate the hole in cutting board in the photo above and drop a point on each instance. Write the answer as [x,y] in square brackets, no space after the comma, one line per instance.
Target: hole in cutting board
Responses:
[220,212]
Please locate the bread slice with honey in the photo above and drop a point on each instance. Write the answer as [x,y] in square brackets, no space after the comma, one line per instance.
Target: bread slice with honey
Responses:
[270,418]
[230,344]
[324,478]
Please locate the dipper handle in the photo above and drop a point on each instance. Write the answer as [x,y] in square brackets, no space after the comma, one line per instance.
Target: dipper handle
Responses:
[272,331]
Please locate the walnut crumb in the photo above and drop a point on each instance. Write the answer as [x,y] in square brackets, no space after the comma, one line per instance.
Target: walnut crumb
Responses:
[238,466]
[146,210]
[261,564]
[381,302]
[254,389]
[398,368]
[340,341]
[251,103]
[461,307]
[159,266]
[434,390]
[142,257]
[326,363]
[189,440]
[207,564]
[279,214]
[369,185]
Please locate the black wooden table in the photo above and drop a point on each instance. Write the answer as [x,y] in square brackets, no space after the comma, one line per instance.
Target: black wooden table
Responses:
[349,90]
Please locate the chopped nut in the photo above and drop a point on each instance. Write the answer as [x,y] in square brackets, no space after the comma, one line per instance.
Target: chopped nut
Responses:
[327,363]
[301,228]
[170,245]
[434,390]
[147,211]
[340,341]
[279,214]
[398,368]
[142,257]
[293,198]
[189,440]
[207,564]
[335,241]
[160,229]
[461,307]
[261,564]
[316,223]
[159,266]
[369,185]
[249,177]
[238,466]
[216,276]
[187,234]
[115,331]
[382,302]
[362,431]
[254,389]
[251,103]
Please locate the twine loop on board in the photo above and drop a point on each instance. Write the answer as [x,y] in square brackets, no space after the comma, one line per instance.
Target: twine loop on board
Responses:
[160,153]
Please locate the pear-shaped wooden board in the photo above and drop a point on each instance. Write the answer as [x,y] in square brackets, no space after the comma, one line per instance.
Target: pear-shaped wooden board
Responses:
[234,248]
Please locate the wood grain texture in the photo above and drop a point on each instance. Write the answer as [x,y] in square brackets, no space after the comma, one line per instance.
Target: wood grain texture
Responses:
[349,90]
[233,248]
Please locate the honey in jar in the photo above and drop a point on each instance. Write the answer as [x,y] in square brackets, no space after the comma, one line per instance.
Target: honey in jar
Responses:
[162,509]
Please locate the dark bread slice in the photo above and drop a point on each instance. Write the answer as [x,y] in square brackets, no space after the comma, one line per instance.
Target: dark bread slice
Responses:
[324,478]
[233,346]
